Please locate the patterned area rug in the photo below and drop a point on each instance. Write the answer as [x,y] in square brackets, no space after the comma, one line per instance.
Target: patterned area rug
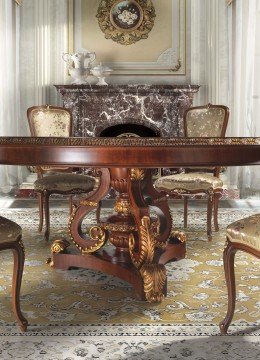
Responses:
[85,314]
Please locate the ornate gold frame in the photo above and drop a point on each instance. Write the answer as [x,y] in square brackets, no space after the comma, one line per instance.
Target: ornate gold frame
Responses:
[126,36]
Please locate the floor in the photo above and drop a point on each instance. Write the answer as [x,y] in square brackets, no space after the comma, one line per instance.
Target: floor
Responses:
[13,202]
[83,343]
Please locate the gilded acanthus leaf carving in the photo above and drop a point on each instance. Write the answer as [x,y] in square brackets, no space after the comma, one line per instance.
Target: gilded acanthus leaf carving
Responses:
[145,253]
[154,277]
[137,174]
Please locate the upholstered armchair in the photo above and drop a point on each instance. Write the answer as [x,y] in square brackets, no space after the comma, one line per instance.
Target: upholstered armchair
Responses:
[56,122]
[202,121]
[243,235]
[11,239]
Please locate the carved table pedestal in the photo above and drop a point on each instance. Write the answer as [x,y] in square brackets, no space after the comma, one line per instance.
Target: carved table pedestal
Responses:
[140,245]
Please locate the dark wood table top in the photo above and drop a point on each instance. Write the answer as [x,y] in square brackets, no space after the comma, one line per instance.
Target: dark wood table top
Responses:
[130,152]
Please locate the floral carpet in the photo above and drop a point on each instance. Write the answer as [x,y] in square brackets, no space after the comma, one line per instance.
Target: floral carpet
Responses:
[85,314]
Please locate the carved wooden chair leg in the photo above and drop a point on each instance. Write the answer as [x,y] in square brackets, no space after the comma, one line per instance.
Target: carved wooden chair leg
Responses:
[40,203]
[209,216]
[228,258]
[216,203]
[185,211]
[18,253]
[47,215]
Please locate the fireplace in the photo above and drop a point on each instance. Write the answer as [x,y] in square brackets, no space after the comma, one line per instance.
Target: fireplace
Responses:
[128,110]
[159,108]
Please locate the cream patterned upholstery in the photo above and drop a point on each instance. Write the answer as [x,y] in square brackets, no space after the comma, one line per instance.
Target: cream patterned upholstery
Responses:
[205,122]
[246,231]
[190,182]
[51,122]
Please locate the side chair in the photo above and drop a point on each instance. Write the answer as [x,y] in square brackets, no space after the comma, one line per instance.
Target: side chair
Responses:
[11,239]
[201,121]
[55,121]
[243,235]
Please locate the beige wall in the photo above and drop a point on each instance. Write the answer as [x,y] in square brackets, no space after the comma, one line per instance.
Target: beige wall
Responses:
[41,51]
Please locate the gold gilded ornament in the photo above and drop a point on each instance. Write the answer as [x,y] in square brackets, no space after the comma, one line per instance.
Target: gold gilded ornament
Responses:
[59,245]
[122,206]
[126,22]
[137,174]
[147,245]
[98,235]
[180,235]
[154,277]
[88,203]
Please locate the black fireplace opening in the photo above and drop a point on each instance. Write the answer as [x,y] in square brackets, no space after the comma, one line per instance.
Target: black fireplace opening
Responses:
[128,130]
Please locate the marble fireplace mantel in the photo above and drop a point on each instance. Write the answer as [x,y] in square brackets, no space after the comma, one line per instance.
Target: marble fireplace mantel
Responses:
[157,107]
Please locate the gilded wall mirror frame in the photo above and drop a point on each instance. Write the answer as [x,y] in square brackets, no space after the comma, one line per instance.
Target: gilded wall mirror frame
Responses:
[126,21]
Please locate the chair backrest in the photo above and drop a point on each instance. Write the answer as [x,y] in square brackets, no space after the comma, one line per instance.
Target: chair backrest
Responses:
[206,121]
[47,120]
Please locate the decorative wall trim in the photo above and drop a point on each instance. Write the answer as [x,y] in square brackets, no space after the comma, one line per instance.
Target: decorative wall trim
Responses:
[170,62]
[19,2]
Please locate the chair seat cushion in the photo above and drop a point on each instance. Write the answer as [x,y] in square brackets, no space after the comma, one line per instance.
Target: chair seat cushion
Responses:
[9,230]
[246,231]
[189,182]
[65,183]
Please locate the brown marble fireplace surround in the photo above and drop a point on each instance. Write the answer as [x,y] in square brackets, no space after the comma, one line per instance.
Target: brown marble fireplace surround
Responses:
[148,110]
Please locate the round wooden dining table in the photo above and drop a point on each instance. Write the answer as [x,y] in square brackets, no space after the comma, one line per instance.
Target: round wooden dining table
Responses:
[131,244]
